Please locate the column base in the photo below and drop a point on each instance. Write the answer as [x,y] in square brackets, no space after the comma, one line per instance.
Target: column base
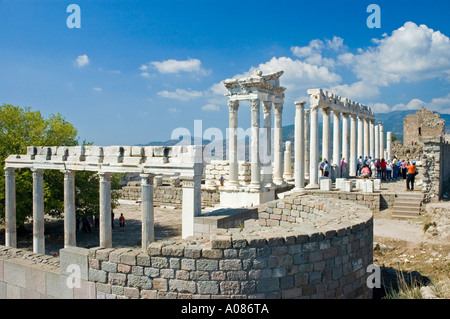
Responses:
[312,186]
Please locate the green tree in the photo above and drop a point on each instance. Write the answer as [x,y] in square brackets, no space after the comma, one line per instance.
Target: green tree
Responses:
[22,127]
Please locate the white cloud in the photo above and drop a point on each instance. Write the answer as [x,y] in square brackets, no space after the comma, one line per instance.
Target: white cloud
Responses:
[172,66]
[380,107]
[313,53]
[81,61]
[414,104]
[174,110]
[298,75]
[412,53]
[210,107]
[180,94]
[356,90]
[97,89]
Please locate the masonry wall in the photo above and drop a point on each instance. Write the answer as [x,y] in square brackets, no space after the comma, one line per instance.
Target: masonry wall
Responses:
[436,175]
[374,201]
[170,195]
[300,247]
[286,260]
[26,275]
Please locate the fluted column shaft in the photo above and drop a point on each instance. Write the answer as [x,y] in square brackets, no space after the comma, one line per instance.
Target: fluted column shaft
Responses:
[10,208]
[278,144]
[326,147]
[233,107]
[266,156]
[148,220]
[254,150]
[70,224]
[314,149]
[38,211]
[352,161]
[105,210]
[299,167]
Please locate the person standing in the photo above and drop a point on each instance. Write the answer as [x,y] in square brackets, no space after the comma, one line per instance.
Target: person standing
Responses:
[403,168]
[359,166]
[326,169]
[343,167]
[112,219]
[122,222]
[410,176]
[383,169]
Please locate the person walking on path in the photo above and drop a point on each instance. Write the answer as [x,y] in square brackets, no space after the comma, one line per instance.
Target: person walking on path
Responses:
[410,177]
[383,169]
[122,222]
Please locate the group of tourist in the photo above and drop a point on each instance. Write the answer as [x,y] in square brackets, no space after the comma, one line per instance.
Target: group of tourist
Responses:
[390,170]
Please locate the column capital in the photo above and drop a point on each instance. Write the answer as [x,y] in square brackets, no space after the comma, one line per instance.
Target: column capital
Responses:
[105,176]
[233,105]
[267,106]
[277,107]
[325,110]
[255,104]
[146,179]
[300,104]
[10,171]
[37,171]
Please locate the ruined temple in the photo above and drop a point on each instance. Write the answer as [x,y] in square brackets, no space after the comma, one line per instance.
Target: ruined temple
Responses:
[422,124]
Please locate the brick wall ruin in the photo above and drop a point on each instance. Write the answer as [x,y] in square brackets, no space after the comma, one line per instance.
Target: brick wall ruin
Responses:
[420,125]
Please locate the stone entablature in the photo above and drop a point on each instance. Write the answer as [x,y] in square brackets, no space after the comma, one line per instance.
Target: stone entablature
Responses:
[183,161]
[325,99]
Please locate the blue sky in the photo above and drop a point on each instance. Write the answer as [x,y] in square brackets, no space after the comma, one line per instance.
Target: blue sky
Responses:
[136,70]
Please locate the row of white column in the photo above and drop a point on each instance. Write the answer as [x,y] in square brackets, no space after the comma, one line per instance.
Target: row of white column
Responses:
[359,138]
[270,175]
[70,209]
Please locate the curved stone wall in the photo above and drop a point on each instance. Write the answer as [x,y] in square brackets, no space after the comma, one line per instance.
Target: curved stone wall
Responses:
[300,247]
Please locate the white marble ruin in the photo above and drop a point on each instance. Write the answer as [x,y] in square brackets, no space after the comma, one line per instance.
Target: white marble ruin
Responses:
[186,161]
[266,173]
[354,135]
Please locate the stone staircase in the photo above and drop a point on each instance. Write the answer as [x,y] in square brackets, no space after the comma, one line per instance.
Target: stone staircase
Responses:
[407,205]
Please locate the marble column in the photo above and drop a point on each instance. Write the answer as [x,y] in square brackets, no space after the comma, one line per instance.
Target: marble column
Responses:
[360,137]
[371,139]
[105,210]
[192,201]
[254,150]
[377,142]
[306,125]
[38,211]
[380,124]
[278,144]
[233,107]
[389,145]
[287,175]
[326,147]
[345,141]
[10,208]
[337,141]
[299,166]
[266,153]
[366,137]
[314,149]
[148,223]
[352,161]
[70,223]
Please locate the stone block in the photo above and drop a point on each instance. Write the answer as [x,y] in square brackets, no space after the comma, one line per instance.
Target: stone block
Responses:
[346,186]
[325,184]
[368,186]
[377,184]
